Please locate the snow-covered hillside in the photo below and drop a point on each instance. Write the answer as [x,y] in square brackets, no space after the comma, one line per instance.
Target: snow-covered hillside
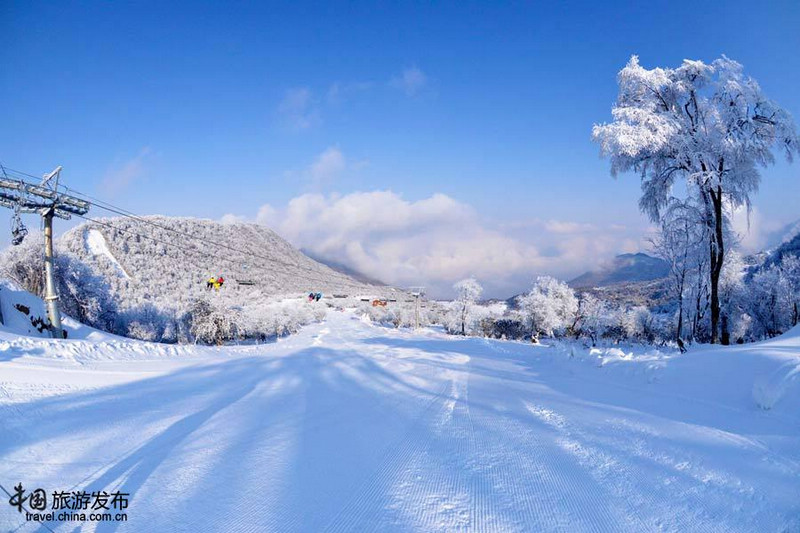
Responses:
[146,278]
[624,268]
[347,426]
[140,269]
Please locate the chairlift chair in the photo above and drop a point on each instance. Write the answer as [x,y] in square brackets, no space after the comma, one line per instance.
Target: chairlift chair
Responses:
[18,229]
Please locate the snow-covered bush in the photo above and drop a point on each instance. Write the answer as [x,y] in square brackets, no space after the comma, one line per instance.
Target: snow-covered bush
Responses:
[511,327]
[401,314]
[549,307]
[379,314]
[213,325]
[145,322]
[273,318]
[483,318]
[23,264]
[593,318]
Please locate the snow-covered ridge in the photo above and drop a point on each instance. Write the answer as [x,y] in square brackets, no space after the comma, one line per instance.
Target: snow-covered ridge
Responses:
[167,274]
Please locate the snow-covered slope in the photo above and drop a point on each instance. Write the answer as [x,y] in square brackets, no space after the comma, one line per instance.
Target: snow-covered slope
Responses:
[625,268]
[138,268]
[784,234]
[352,427]
[97,248]
[789,247]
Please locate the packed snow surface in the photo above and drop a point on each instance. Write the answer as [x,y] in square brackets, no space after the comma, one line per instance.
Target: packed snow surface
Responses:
[348,426]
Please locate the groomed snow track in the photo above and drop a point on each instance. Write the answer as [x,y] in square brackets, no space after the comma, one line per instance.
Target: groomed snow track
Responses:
[352,427]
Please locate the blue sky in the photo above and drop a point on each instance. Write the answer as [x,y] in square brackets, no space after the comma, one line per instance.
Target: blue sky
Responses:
[212,109]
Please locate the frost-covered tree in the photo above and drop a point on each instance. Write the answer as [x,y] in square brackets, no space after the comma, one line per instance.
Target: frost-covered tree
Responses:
[790,266]
[765,303]
[680,242]
[467,293]
[773,294]
[707,124]
[731,292]
[593,318]
[23,264]
[549,307]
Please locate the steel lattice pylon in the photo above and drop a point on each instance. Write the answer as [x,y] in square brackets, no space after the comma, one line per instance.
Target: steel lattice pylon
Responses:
[43,199]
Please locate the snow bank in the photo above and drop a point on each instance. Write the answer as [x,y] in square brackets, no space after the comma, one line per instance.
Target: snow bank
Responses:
[22,312]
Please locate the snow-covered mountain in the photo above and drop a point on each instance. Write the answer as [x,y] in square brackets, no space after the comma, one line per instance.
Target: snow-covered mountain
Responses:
[784,234]
[177,267]
[782,243]
[146,277]
[789,246]
[623,268]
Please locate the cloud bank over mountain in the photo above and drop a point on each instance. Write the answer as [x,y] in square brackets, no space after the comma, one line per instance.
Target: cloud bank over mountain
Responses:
[437,240]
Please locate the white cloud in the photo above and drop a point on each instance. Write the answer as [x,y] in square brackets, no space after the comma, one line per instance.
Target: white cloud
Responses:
[230,218]
[323,170]
[327,166]
[299,109]
[122,176]
[754,230]
[267,216]
[438,240]
[411,81]
[560,226]
[340,91]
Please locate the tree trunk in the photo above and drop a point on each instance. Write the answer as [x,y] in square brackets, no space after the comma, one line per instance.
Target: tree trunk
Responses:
[726,336]
[717,250]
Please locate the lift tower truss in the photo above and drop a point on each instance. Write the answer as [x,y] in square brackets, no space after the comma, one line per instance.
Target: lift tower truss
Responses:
[45,200]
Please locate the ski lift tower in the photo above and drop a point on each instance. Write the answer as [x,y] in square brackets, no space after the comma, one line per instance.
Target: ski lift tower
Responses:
[45,200]
[417,293]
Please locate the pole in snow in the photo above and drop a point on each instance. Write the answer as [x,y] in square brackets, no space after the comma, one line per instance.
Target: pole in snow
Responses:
[417,293]
[50,295]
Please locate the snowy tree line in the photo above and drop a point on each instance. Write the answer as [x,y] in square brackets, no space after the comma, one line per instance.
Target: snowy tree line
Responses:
[757,302]
[553,309]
